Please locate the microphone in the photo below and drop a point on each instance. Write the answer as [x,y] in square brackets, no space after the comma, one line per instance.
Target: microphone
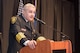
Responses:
[39,20]
[64,36]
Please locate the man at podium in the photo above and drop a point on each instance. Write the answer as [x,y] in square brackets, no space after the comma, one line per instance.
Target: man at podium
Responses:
[22,30]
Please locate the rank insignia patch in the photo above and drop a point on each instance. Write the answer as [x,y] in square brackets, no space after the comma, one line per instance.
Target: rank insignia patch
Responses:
[13,19]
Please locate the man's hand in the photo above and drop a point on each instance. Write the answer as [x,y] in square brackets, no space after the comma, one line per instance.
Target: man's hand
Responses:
[32,44]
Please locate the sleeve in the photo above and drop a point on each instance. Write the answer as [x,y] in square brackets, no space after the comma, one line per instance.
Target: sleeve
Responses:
[17,33]
[20,37]
[41,38]
[36,34]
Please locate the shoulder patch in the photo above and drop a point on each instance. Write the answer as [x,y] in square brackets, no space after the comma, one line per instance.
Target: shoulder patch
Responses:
[13,19]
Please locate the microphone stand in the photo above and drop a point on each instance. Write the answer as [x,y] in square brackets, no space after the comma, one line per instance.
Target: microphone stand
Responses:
[63,36]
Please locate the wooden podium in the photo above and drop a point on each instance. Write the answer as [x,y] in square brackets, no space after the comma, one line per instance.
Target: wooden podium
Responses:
[47,46]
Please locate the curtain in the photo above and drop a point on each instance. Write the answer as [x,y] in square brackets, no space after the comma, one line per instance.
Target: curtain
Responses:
[46,13]
[7,13]
[58,15]
[0,22]
[50,12]
[9,9]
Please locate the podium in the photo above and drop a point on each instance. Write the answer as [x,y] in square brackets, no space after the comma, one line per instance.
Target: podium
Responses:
[47,46]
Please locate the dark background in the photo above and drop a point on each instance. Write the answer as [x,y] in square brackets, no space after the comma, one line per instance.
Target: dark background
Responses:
[63,15]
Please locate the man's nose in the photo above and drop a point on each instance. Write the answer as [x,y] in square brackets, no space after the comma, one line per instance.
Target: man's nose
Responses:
[33,14]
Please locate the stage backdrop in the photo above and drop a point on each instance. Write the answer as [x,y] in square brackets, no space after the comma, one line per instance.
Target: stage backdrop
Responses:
[57,14]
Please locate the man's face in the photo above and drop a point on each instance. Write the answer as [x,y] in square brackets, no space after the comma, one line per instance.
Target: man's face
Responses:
[29,13]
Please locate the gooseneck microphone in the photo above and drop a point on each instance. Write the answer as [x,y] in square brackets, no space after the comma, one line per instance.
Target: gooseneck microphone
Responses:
[39,20]
[63,35]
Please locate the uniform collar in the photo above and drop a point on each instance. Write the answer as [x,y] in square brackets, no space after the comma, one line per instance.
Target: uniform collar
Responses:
[25,19]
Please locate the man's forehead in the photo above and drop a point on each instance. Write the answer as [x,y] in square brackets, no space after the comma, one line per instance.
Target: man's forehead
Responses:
[29,6]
